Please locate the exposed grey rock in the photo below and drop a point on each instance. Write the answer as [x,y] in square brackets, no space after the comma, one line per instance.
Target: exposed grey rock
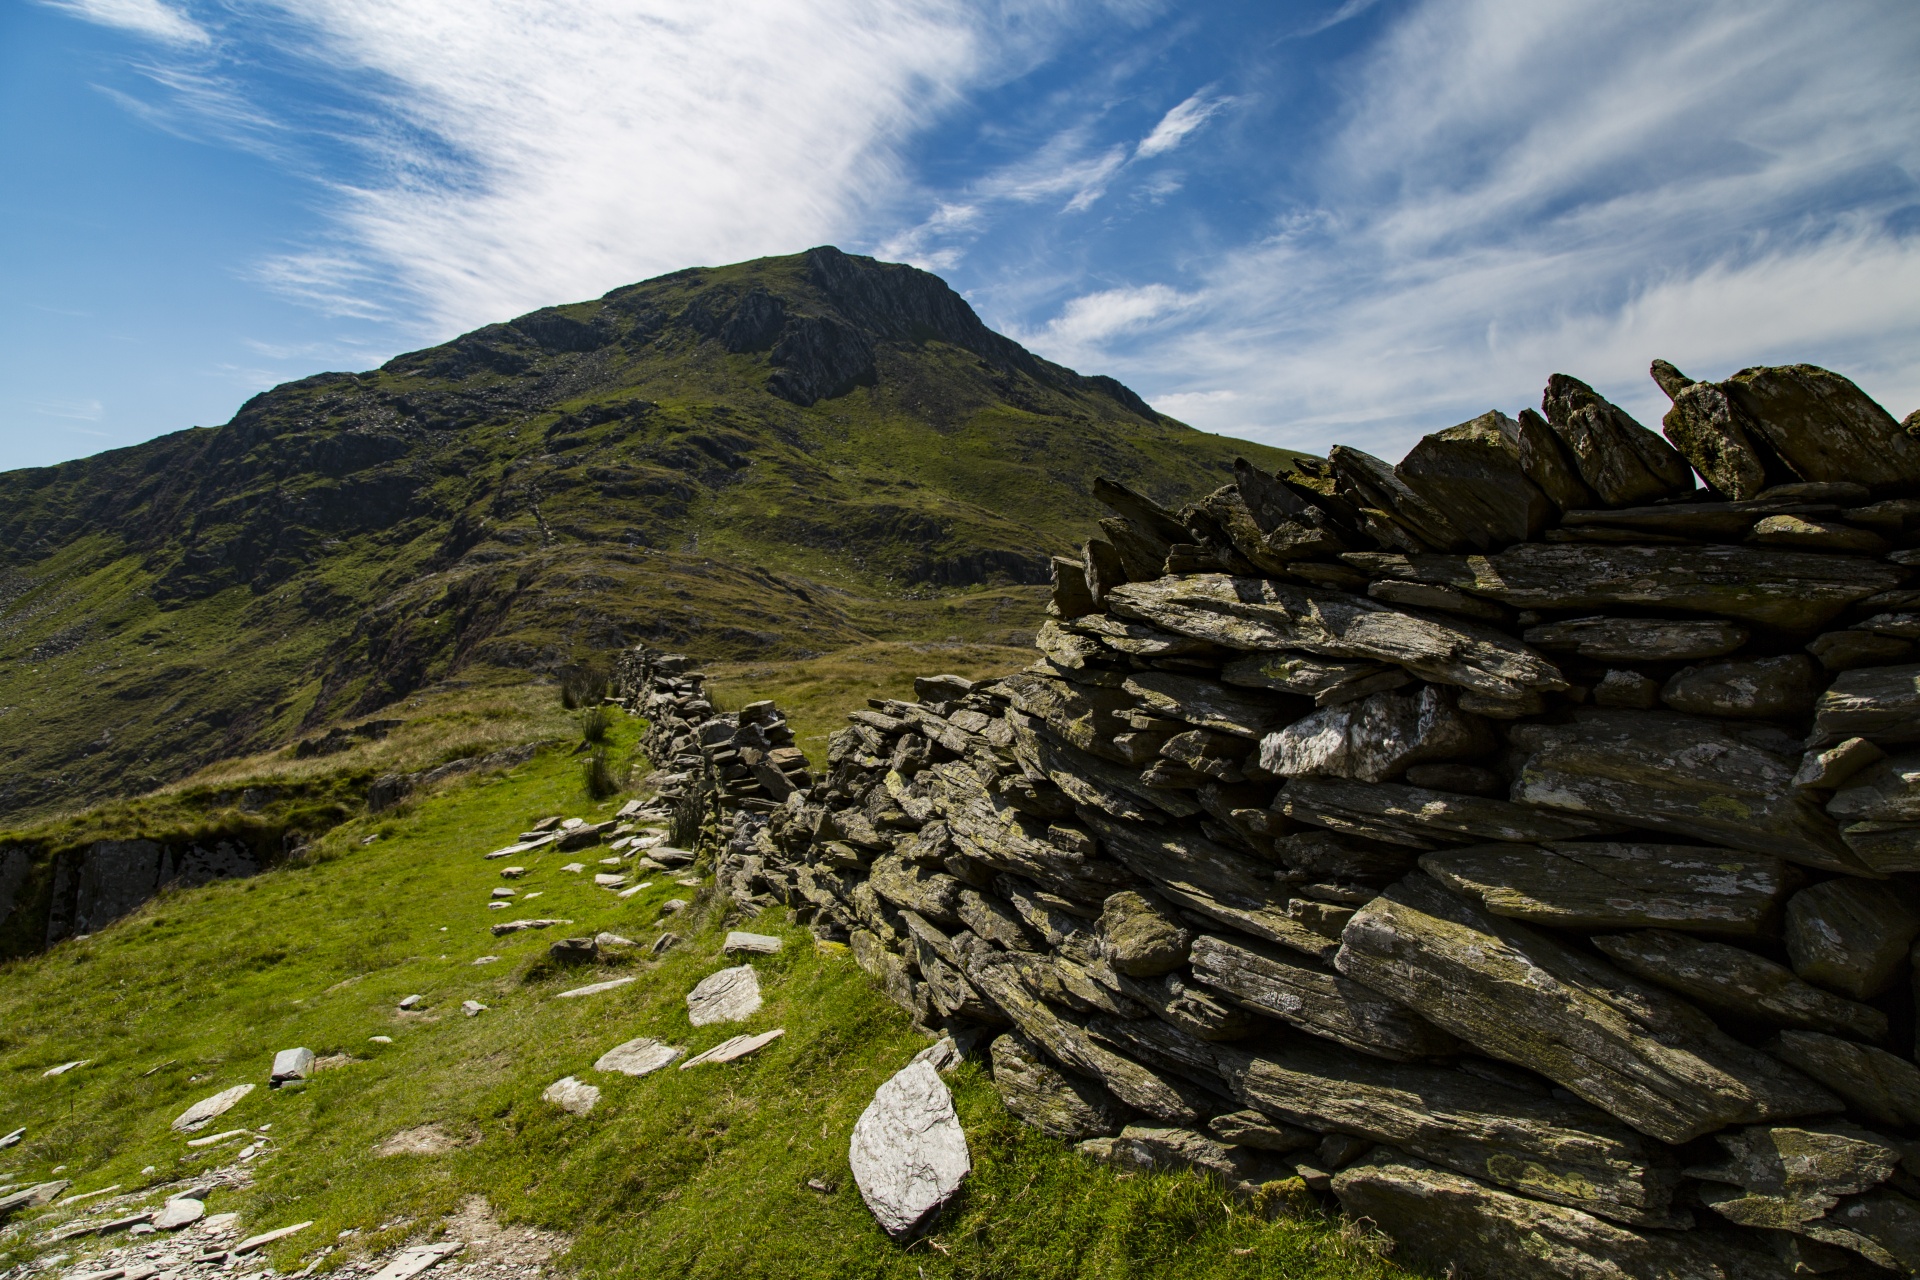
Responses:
[1825,770]
[1084,716]
[1211,879]
[1473,473]
[1148,1147]
[1788,590]
[732,1049]
[1196,1010]
[571,1095]
[1783,1176]
[292,1064]
[1393,510]
[1880,704]
[1763,688]
[1328,683]
[730,995]
[1615,885]
[1261,1132]
[182,1211]
[1522,997]
[267,1237]
[1485,1234]
[754,943]
[1141,937]
[1696,777]
[933,894]
[593,989]
[1560,1151]
[987,917]
[1876,1084]
[202,1113]
[1316,1000]
[1376,737]
[1882,1226]
[1418,818]
[1620,460]
[1638,639]
[1852,936]
[908,1152]
[1717,435]
[1732,980]
[32,1197]
[986,827]
[1059,1105]
[1204,703]
[637,1057]
[1258,614]
[1422,595]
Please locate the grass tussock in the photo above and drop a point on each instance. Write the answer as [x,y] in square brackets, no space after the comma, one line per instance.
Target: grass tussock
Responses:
[582,685]
[692,1175]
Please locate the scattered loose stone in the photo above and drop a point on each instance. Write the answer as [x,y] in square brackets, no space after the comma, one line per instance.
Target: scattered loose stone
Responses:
[472,1008]
[412,1261]
[611,941]
[12,1139]
[593,989]
[181,1212]
[908,1152]
[756,943]
[411,1002]
[637,1057]
[516,926]
[737,1047]
[202,1113]
[512,873]
[500,893]
[65,1067]
[292,1064]
[731,995]
[267,1237]
[380,1039]
[673,906]
[486,960]
[575,867]
[572,1096]
[605,881]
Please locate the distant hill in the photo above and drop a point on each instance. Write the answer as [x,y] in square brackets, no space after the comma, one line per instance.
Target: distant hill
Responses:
[773,459]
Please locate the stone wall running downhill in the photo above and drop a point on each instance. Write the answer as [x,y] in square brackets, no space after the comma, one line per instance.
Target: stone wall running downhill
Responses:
[1518,844]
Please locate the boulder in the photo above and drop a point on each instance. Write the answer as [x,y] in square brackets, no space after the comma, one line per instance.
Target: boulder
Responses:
[731,995]
[181,1211]
[908,1152]
[1852,936]
[1880,704]
[1757,688]
[1794,591]
[1565,1152]
[1474,474]
[1141,937]
[1376,737]
[1638,639]
[1731,980]
[1876,1084]
[292,1064]
[753,943]
[1480,1233]
[1712,780]
[1059,1105]
[1315,999]
[1620,460]
[572,1096]
[1617,885]
[1419,818]
[1258,614]
[1517,995]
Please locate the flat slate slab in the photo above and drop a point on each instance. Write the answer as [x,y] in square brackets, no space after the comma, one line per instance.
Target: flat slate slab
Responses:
[268,1237]
[572,1095]
[908,1152]
[202,1113]
[737,1047]
[730,995]
[412,1261]
[637,1057]
[756,943]
[183,1212]
[593,989]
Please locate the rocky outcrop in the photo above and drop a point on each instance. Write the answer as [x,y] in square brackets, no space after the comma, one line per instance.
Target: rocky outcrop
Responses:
[1515,842]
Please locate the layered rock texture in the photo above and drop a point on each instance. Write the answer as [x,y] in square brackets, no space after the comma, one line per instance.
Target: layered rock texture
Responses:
[1520,845]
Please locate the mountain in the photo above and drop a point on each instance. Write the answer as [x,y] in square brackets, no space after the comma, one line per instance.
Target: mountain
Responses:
[774,459]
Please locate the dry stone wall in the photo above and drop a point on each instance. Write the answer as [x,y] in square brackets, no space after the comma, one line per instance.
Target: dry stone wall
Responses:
[1518,845]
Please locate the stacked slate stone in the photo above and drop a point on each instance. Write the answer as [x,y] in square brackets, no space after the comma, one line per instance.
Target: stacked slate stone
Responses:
[1519,843]
[716,770]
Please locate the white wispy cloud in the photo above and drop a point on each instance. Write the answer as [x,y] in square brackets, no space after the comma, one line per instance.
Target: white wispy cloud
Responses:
[1178,123]
[154,19]
[1711,184]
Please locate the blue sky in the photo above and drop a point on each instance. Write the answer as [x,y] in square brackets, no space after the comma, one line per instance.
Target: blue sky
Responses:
[1300,221]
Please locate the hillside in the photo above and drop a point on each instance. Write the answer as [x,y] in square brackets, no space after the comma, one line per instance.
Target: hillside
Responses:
[774,460]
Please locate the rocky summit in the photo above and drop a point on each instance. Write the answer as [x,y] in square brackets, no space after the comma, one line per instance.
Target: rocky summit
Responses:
[776,458]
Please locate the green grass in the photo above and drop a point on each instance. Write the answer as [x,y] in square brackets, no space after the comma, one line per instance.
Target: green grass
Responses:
[679,1174]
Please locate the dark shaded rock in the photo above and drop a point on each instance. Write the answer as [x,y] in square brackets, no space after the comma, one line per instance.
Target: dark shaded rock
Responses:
[1411,522]
[1801,533]
[1638,639]
[1824,428]
[1376,737]
[1484,1234]
[1141,937]
[1473,473]
[1757,688]
[1070,597]
[1256,614]
[1417,818]
[1204,703]
[1421,595]
[1696,777]
[986,827]
[1717,436]
[1880,806]
[1846,650]
[1783,1176]
[1327,683]
[1522,997]
[1467,779]
[1880,704]
[1549,463]
[1620,460]
[1852,936]
[819,358]
[1629,690]
[1876,1084]
[1252,1129]
[1059,1105]
[1615,885]
[1146,1147]
[1316,999]
[1731,980]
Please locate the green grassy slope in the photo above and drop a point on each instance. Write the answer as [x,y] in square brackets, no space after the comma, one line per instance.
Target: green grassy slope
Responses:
[583,477]
[702,1173]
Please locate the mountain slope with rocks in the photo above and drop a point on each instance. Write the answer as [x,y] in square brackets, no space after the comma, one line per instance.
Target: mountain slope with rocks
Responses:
[773,459]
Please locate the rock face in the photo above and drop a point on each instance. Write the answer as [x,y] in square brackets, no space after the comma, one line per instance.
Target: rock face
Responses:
[908,1152]
[1517,840]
